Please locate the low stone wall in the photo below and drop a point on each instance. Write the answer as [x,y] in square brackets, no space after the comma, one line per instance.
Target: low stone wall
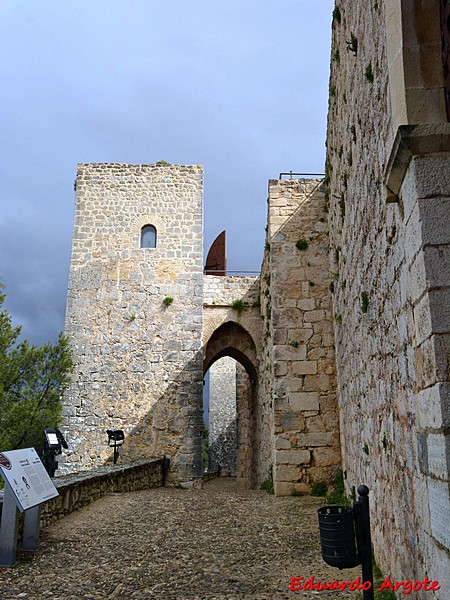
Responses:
[80,489]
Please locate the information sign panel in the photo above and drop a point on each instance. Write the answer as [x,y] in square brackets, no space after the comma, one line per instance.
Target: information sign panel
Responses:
[27,478]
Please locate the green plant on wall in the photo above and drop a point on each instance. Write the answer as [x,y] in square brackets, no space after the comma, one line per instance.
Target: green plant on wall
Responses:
[267,485]
[162,163]
[167,301]
[337,494]
[364,302]
[319,489]
[337,14]
[238,306]
[369,73]
[352,44]
[301,244]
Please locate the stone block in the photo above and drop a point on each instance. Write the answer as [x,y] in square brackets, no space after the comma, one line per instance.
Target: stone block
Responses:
[290,421]
[433,406]
[438,446]
[422,320]
[289,353]
[437,265]
[306,304]
[280,336]
[293,457]
[304,401]
[293,384]
[304,367]
[315,439]
[435,217]
[286,472]
[283,488]
[325,473]
[318,383]
[314,316]
[432,176]
[439,503]
[282,443]
[440,309]
[324,457]
[301,335]
[302,488]
[280,368]
[315,422]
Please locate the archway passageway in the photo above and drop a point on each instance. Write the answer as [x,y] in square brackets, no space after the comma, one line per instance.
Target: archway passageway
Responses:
[230,360]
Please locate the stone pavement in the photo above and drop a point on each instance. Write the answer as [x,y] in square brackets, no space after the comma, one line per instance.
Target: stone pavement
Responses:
[212,543]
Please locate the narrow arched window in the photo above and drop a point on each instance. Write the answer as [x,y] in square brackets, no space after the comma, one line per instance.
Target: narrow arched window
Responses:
[148,237]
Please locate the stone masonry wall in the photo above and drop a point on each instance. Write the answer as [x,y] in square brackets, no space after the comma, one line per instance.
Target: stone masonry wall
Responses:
[390,260]
[137,355]
[300,362]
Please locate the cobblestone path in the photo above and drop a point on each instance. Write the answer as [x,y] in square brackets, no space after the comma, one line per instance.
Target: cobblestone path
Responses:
[212,543]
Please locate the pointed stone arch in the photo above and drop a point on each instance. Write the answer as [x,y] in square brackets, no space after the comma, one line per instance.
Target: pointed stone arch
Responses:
[233,340]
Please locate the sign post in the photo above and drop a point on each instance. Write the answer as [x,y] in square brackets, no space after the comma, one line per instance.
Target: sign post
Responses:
[9,529]
[27,486]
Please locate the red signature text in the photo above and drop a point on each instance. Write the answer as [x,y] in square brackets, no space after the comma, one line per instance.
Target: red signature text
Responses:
[406,587]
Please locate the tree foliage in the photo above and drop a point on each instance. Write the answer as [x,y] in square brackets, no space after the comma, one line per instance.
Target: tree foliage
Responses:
[32,380]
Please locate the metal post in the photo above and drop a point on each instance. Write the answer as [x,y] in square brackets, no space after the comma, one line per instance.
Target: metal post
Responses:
[9,529]
[31,528]
[362,514]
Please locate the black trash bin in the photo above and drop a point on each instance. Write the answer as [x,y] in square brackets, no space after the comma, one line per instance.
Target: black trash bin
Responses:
[337,536]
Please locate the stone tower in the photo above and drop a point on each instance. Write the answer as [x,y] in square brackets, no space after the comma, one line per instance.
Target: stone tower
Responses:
[134,314]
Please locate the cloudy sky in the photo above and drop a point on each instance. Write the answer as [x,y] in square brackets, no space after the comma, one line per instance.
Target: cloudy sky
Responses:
[238,86]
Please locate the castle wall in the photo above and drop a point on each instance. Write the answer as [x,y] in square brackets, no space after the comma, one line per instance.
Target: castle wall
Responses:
[299,372]
[388,193]
[137,354]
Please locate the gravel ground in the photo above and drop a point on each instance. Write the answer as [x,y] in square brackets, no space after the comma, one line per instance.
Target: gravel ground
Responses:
[213,543]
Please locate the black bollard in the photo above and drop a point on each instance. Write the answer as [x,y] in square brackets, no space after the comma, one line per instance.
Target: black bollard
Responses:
[362,517]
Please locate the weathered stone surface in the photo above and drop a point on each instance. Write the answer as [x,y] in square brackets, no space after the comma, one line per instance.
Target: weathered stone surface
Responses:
[391,284]
[132,351]
[298,355]
[292,457]
[304,400]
